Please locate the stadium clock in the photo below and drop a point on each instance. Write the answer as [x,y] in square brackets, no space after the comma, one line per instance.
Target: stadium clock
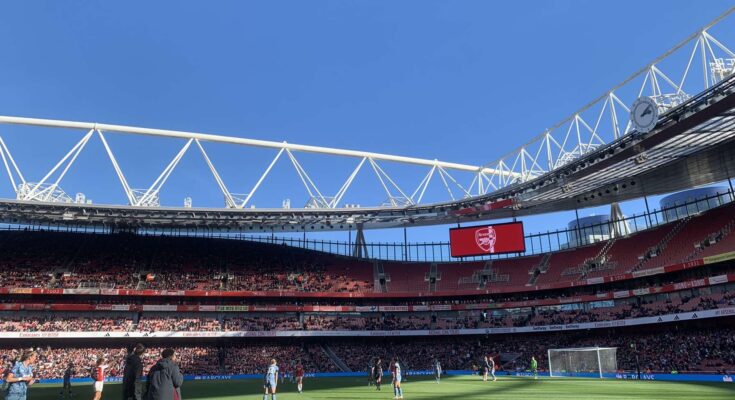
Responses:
[644,114]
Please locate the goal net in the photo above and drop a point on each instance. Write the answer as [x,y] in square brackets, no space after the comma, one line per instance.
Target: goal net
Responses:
[586,361]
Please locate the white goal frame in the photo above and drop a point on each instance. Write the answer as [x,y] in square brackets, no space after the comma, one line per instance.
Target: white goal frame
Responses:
[582,349]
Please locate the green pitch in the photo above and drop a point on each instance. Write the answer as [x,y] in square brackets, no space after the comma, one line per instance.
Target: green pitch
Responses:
[454,388]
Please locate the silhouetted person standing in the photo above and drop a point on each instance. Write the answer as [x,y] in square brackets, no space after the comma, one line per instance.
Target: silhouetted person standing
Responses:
[133,374]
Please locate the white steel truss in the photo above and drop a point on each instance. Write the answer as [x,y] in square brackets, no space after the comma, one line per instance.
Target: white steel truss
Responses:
[608,117]
[599,122]
[149,197]
[43,190]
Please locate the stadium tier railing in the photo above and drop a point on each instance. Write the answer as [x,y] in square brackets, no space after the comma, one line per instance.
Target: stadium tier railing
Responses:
[337,333]
[536,243]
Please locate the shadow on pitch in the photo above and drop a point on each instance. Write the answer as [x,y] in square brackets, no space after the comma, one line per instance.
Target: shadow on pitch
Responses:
[250,387]
[720,385]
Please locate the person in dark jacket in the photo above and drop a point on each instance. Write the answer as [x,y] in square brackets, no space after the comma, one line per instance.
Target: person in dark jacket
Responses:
[133,374]
[164,379]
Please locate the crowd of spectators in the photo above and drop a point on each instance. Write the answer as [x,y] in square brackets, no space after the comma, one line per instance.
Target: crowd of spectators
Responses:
[193,360]
[705,350]
[709,350]
[555,316]
[52,362]
[274,323]
[178,324]
[678,350]
[626,311]
[26,277]
[386,322]
[191,322]
[55,323]
[124,261]
[479,319]
[250,359]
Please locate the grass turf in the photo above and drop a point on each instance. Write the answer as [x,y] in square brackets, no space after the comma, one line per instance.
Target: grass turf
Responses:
[458,387]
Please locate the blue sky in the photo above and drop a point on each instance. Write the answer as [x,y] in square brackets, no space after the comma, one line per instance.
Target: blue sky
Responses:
[462,81]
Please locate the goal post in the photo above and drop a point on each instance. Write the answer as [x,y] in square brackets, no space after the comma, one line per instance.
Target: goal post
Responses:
[583,361]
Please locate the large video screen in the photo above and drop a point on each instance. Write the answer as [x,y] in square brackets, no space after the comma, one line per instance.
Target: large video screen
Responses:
[487,239]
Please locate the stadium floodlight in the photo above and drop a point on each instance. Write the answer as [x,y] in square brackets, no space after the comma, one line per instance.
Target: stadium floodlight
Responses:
[583,361]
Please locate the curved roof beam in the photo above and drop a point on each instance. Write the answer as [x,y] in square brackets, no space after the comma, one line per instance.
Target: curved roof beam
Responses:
[50,123]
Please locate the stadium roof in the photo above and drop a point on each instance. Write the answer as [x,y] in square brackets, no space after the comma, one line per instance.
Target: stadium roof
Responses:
[587,159]
[691,145]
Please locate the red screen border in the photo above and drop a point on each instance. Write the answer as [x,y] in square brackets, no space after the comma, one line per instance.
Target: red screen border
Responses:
[523,234]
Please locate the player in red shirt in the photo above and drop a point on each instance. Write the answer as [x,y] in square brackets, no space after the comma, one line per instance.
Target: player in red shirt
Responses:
[98,375]
[284,372]
[299,377]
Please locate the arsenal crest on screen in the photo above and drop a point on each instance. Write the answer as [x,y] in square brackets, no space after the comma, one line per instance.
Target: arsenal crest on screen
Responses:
[485,239]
